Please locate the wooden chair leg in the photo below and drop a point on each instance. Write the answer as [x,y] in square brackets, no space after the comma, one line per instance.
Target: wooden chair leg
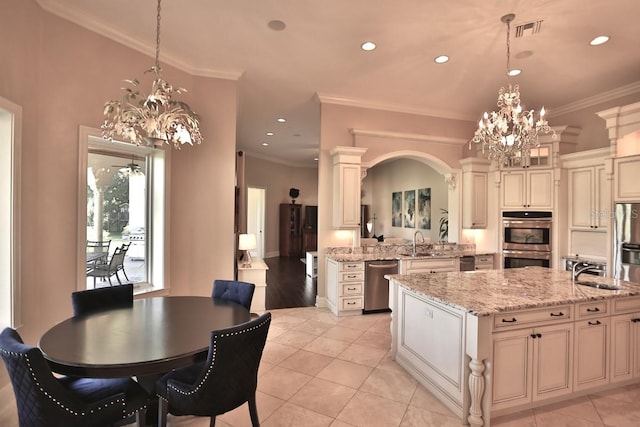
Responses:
[212,421]
[253,412]
[163,408]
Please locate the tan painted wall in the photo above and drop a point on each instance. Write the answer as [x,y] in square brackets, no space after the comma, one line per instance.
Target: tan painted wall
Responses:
[277,179]
[402,175]
[61,75]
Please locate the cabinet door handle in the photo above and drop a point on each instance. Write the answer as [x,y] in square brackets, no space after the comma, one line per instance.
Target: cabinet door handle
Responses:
[533,336]
[513,320]
[352,276]
[351,289]
[635,320]
[350,303]
[597,322]
[538,335]
[560,314]
[593,310]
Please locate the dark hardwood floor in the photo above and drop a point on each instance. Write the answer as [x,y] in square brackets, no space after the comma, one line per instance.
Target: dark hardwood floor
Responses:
[288,285]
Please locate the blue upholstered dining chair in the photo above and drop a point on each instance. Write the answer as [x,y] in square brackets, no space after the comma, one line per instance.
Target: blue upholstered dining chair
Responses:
[45,400]
[92,300]
[225,381]
[233,290]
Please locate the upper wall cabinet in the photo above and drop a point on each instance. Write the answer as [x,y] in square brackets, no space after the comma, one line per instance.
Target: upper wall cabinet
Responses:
[527,189]
[474,192]
[589,198]
[346,186]
[626,172]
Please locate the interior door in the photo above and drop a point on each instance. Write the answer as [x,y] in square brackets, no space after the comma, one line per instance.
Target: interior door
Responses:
[255,217]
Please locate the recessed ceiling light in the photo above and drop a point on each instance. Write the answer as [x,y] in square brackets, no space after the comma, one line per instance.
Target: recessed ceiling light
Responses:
[514,72]
[315,158]
[281,120]
[264,144]
[599,40]
[269,133]
[441,59]
[368,46]
[277,25]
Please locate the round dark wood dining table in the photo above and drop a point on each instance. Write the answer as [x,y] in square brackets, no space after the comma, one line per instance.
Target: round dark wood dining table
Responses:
[153,336]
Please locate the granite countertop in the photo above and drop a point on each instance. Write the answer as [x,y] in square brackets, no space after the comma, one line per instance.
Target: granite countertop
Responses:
[489,292]
[396,256]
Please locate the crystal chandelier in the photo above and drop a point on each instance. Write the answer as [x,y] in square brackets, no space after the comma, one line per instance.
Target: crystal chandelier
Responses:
[156,118]
[509,134]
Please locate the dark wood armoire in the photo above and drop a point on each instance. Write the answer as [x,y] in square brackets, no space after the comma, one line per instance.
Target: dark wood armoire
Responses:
[290,230]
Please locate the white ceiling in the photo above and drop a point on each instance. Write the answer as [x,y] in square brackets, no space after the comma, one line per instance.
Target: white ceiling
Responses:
[281,72]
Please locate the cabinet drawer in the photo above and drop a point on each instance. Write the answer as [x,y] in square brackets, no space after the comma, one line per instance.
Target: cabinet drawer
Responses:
[592,309]
[517,319]
[351,276]
[351,289]
[626,305]
[484,259]
[351,303]
[352,266]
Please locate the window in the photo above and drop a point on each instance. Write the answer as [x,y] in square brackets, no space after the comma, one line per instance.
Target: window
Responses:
[10,143]
[122,199]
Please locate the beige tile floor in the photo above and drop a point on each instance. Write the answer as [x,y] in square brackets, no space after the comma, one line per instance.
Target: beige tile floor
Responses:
[319,370]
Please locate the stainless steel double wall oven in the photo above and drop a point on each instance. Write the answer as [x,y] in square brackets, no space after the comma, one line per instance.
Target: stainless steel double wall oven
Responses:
[526,238]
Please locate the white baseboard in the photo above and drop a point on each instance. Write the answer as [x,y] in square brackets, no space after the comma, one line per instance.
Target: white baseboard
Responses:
[321,302]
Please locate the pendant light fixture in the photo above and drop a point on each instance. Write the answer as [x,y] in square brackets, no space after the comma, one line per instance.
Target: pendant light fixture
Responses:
[508,135]
[155,118]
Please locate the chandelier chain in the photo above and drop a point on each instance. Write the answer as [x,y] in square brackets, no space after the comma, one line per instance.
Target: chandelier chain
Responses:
[158,36]
[508,45]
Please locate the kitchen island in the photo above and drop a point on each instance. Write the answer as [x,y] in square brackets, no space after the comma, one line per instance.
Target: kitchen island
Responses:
[492,342]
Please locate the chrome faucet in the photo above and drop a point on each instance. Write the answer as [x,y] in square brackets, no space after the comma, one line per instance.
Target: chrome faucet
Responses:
[415,235]
[581,267]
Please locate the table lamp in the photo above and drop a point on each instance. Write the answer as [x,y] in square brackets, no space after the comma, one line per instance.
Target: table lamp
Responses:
[246,242]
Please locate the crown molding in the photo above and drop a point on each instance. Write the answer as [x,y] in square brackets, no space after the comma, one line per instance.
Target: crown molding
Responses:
[278,160]
[98,27]
[594,100]
[409,136]
[394,108]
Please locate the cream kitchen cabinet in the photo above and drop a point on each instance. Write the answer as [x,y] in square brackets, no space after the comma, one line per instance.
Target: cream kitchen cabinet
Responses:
[474,192]
[626,171]
[625,339]
[532,364]
[474,200]
[429,265]
[589,198]
[346,186]
[484,262]
[345,287]
[592,336]
[528,189]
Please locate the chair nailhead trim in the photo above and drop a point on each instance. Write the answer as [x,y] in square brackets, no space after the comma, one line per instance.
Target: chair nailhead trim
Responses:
[69,410]
[213,359]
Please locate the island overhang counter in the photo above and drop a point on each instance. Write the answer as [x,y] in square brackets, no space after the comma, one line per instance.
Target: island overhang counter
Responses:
[492,342]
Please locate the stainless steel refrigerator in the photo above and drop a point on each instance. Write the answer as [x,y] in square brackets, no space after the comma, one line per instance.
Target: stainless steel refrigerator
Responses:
[626,242]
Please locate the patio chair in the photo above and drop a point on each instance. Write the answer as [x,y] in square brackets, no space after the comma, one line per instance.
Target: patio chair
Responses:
[97,247]
[116,264]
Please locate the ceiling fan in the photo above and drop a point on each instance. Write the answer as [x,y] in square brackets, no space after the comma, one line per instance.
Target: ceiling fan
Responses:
[130,168]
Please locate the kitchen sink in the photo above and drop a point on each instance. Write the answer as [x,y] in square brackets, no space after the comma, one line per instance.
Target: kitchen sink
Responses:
[599,285]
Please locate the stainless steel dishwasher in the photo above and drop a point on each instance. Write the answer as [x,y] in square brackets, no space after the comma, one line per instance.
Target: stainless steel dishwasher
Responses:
[376,287]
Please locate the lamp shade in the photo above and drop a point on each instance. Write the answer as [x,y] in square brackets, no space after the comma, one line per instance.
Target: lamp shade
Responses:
[247,242]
